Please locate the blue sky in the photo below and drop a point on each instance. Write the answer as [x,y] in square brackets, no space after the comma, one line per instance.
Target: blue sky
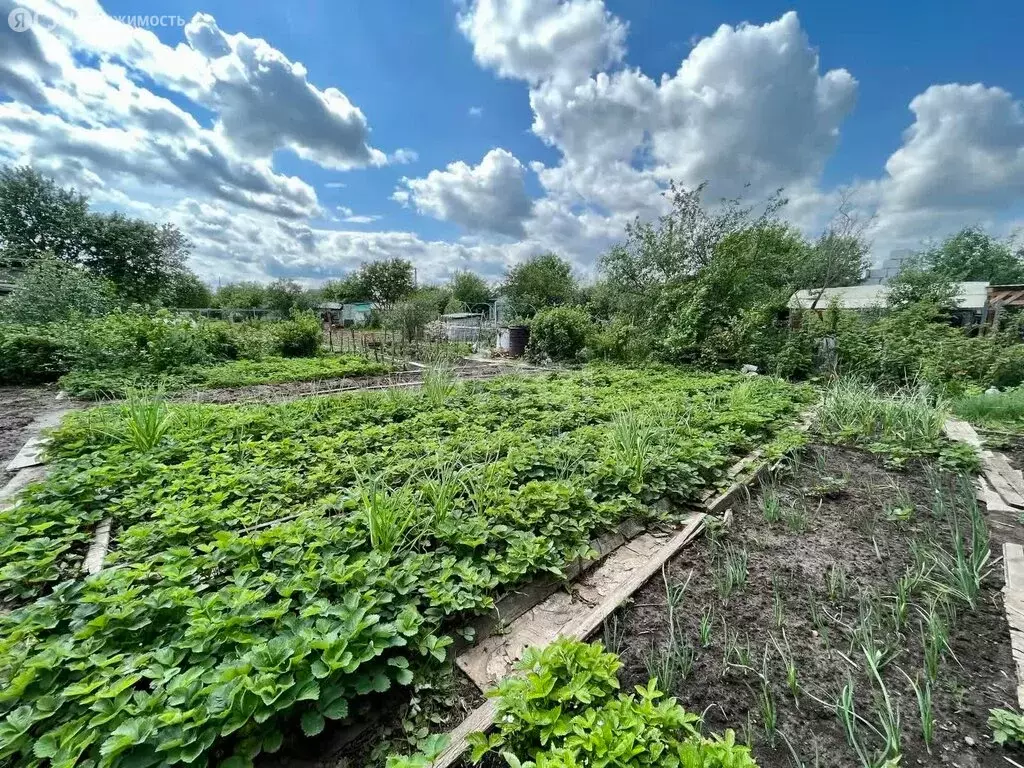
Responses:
[214,126]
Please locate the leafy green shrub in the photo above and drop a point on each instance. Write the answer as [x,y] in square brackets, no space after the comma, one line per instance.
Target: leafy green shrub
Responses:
[1007,369]
[564,710]
[301,336]
[138,348]
[914,344]
[52,290]
[31,355]
[559,333]
[144,341]
[619,341]
[248,340]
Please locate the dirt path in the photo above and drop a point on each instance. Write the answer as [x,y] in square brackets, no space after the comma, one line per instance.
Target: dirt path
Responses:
[275,393]
[19,407]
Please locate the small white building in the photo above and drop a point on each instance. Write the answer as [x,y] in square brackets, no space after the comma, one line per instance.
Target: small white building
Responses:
[971,299]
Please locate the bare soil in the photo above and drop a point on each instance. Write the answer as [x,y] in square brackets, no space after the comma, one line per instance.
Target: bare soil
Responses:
[466,369]
[19,406]
[845,528]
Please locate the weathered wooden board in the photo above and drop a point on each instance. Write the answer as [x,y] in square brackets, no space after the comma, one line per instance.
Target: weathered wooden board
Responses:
[98,549]
[1004,478]
[31,454]
[516,603]
[1006,483]
[962,432]
[480,719]
[24,477]
[1013,602]
[570,615]
[493,658]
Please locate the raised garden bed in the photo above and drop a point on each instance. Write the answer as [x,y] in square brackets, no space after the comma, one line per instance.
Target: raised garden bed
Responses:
[274,567]
[846,533]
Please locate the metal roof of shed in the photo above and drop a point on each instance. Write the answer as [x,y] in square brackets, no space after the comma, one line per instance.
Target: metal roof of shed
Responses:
[971,295]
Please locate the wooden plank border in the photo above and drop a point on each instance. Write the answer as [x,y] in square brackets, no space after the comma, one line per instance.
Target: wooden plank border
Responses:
[482,718]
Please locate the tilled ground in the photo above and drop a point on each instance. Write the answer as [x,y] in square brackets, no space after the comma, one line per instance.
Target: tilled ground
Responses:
[19,406]
[467,370]
[844,495]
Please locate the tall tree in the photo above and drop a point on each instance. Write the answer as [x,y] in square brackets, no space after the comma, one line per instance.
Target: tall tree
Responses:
[841,254]
[471,290]
[972,254]
[184,289]
[667,256]
[38,218]
[285,295]
[541,281]
[387,281]
[136,256]
[348,289]
[241,295]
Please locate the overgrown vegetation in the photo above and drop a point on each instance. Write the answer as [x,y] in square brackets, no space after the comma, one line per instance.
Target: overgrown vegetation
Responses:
[114,383]
[998,410]
[901,424]
[563,708]
[132,346]
[261,578]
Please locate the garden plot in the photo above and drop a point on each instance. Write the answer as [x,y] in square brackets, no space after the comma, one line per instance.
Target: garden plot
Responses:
[322,370]
[274,567]
[831,612]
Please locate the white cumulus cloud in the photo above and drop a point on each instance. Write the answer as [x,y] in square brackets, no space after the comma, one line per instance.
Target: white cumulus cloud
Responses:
[536,40]
[489,197]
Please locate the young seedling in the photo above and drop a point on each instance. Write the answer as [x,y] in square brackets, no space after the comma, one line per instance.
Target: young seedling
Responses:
[769,713]
[887,713]
[789,661]
[835,582]
[614,633]
[440,490]
[706,620]
[923,693]
[814,610]
[798,762]
[847,714]
[778,605]
[796,518]
[730,571]
[734,653]
[672,663]
[771,504]
[748,731]
[934,640]
[899,508]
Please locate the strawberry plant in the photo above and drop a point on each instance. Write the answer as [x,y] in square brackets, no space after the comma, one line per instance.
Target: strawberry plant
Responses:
[563,709]
[260,583]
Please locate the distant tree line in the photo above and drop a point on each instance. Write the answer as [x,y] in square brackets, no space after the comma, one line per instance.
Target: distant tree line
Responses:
[695,285]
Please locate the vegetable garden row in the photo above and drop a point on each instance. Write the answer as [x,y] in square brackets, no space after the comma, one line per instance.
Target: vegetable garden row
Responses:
[273,564]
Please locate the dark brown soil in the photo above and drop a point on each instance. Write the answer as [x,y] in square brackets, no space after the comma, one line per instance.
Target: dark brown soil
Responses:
[19,406]
[847,528]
